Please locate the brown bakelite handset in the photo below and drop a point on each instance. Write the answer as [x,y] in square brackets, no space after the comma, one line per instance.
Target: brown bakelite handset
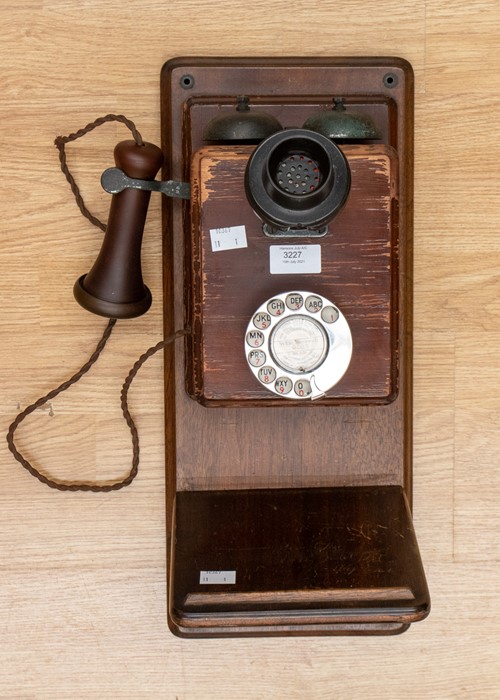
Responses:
[114,286]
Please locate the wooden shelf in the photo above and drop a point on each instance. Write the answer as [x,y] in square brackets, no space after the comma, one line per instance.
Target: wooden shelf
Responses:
[307,559]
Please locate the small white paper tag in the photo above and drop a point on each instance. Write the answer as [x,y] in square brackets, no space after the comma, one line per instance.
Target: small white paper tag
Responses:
[294,259]
[217,576]
[228,238]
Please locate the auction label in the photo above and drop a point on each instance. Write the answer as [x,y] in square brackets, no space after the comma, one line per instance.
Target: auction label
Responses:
[294,259]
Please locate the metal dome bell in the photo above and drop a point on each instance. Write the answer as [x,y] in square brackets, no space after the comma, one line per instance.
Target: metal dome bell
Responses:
[340,124]
[242,125]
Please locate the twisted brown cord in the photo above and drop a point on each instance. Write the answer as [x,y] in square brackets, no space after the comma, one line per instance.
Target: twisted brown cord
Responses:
[84,485]
[62,485]
[124,398]
[60,143]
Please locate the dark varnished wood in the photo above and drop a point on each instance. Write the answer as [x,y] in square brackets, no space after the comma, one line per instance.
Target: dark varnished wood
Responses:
[364,441]
[324,555]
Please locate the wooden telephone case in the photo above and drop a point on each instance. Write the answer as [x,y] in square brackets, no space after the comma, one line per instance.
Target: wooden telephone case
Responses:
[285,515]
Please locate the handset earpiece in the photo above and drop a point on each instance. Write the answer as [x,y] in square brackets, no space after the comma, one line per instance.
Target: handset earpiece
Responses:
[114,286]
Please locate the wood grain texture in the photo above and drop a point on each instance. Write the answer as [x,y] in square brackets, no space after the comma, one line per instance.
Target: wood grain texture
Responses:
[290,449]
[82,599]
[369,245]
[304,561]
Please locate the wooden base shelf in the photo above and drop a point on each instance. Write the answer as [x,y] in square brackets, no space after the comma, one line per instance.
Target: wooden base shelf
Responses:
[301,559]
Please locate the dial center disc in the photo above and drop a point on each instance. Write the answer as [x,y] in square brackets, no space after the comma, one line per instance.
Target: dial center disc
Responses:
[298,344]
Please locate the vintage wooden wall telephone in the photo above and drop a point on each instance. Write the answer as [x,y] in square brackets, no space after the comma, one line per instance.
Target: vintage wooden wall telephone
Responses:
[287,255]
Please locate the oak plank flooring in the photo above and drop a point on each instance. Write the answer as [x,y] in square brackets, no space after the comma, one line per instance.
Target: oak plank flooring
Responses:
[82,584]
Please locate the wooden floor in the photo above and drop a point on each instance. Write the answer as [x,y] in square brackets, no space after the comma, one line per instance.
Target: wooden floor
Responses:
[82,584]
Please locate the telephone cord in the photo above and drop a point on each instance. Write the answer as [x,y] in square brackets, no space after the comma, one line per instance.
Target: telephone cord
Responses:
[84,485]
[59,484]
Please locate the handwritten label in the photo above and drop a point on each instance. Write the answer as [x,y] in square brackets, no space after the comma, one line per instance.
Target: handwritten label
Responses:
[294,259]
[228,238]
[218,577]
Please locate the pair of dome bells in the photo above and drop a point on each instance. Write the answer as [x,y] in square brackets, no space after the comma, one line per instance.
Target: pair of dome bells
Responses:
[247,125]
[296,179]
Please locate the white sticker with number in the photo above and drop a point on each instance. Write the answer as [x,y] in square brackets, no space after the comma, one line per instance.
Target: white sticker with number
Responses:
[294,259]
[228,238]
[218,577]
